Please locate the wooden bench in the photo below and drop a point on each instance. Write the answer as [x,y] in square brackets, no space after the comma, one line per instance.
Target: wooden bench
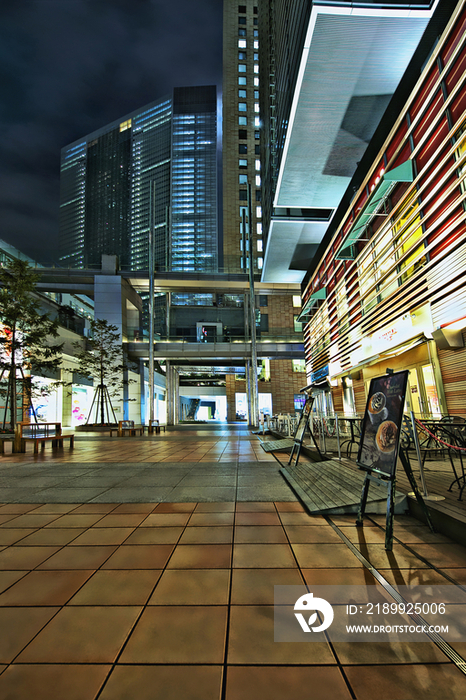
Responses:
[127,427]
[40,433]
[155,427]
[5,437]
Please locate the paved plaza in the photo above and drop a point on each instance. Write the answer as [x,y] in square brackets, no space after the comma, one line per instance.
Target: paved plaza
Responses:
[144,568]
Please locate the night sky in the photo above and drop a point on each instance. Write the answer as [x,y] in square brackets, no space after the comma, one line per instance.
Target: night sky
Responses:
[69,67]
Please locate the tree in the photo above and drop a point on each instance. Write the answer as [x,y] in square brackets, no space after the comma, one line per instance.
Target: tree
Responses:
[25,351]
[102,361]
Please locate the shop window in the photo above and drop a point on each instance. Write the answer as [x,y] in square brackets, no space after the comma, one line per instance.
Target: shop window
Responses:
[385,265]
[319,330]
[410,236]
[342,306]
[298,365]
[460,138]
[366,279]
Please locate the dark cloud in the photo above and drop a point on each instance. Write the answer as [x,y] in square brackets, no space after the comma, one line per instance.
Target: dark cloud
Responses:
[68,67]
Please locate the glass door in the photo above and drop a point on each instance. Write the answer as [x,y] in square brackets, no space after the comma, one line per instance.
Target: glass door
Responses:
[433,403]
[414,399]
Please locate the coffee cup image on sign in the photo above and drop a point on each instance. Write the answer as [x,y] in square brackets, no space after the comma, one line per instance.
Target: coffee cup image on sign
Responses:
[377,409]
[386,437]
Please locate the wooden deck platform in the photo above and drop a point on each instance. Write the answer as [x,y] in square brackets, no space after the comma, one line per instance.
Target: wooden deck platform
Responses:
[331,487]
[277,445]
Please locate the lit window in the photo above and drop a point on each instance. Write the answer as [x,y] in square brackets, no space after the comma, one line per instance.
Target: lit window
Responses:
[259,245]
[256,82]
[260,263]
[259,212]
[243,163]
[257,121]
[242,106]
[256,94]
[243,179]
[241,93]
[258,180]
[296,300]
[242,121]
[258,164]
[256,68]
[256,56]
[259,229]
[256,106]
[298,365]
[256,44]
[242,55]
[241,80]
[242,43]
[241,68]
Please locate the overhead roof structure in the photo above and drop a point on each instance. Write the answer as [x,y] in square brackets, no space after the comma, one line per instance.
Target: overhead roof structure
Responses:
[352,61]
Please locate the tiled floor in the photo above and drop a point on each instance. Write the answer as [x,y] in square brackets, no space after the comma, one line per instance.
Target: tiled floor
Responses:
[174,599]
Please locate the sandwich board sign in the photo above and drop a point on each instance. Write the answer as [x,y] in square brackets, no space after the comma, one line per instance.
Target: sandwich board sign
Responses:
[380,442]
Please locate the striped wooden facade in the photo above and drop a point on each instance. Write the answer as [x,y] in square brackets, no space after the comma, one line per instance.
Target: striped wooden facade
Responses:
[453,368]
[411,252]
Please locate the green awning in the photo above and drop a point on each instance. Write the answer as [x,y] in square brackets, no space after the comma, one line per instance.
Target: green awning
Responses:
[318,295]
[402,173]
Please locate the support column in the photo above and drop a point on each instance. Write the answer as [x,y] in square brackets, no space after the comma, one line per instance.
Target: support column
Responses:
[254,415]
[67,399]
[176,396]
[169,393]
[142,392]
[247,378]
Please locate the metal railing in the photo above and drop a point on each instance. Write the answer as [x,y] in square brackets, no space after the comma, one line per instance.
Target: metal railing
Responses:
[332,432]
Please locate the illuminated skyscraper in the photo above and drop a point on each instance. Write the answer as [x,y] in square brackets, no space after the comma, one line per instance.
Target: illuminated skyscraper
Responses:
[163,153]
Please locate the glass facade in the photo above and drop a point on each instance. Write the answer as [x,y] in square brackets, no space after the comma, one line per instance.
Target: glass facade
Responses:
[164,153]
[194,244]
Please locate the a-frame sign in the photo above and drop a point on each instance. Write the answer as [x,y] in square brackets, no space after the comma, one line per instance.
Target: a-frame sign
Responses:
[379,445]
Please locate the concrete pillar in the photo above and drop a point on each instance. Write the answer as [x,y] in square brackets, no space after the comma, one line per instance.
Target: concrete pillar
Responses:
[169,393]
[67,399]
[176,396]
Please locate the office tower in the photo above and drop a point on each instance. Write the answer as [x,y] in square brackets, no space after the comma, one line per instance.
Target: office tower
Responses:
[160,157]
[241,133]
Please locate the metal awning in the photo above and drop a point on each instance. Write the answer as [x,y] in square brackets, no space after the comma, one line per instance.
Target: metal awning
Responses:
[316,297]
[385,355]
[377,198]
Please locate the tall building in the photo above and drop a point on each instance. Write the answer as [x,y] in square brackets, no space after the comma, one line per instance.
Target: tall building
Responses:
[164,153]
[276,310]
[241,134]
